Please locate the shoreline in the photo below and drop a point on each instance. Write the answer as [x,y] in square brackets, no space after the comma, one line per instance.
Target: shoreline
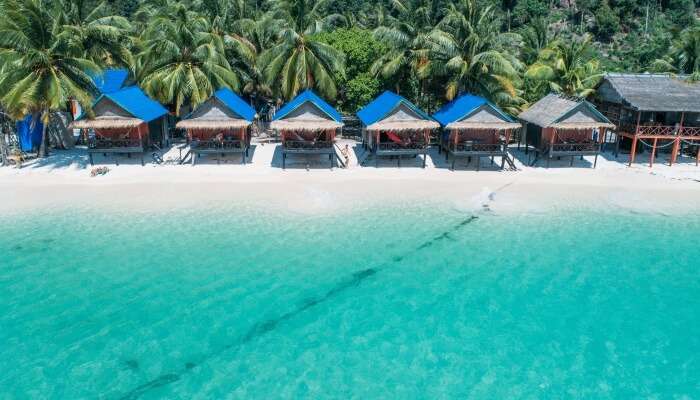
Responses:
[64,180]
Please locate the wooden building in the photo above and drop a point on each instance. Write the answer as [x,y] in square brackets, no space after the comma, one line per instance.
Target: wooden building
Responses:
[125,121]
[395,127]
[220,125]
[653,111]
[558,126]
[474,127]
[307,125]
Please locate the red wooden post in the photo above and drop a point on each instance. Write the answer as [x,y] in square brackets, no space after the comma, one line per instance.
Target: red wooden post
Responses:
[674,152]
[634,149]
[653,152]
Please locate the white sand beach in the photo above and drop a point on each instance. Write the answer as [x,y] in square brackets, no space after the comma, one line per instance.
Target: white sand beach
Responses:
[308,185]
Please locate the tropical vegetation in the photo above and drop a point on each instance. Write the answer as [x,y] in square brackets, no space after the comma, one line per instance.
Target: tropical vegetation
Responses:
[180,51]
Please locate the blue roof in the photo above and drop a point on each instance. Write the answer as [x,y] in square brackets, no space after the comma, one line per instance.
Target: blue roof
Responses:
[134,101]
[462,106]
[235,103]
[308,96]
[380,107]
[111,80]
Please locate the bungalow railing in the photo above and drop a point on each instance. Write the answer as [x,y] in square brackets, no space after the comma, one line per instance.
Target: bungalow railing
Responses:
[660,130]
[236,144]
[392,146]
[108,143]
[478,147]
[690,131]
[307,144]
[574,147]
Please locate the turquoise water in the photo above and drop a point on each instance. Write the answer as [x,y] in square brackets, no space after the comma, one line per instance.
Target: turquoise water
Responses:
[394,302]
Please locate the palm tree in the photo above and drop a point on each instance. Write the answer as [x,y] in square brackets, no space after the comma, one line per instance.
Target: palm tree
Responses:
[182,61]
[41,68]
[567,67]
[406,36]
[468,48]
[536,37]
[103,36]
[298,61]
[684,55]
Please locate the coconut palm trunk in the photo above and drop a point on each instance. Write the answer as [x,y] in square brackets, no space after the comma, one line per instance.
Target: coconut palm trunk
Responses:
[44,146]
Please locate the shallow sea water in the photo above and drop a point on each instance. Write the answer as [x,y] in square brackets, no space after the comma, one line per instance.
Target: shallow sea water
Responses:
[393,301]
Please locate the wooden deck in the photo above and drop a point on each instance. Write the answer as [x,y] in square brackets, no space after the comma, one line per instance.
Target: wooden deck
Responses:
[106,146]
[308,148]
[206,147]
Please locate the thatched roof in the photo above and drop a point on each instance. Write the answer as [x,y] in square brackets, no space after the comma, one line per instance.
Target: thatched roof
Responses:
[558,111]
[106,122]
[414,124]
[212,124]
[483,125]
[654,92]
[304,125]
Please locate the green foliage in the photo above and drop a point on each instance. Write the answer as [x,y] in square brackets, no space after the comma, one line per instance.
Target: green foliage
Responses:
[565,67]
[359,91]
[42,67]
[607,23]
[360,47]
[180,51]
[183,62]
[528,10]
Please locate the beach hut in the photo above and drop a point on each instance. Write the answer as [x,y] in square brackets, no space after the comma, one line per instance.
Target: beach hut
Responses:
[393,126]
[561,126]
[654,111]
[125,122]
[307,125]
[220,125]
[474,127]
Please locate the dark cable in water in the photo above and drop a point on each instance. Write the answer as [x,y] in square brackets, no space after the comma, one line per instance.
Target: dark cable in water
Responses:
[263,327]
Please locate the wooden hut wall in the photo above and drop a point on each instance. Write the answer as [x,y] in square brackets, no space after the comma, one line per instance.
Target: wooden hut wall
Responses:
[208,134]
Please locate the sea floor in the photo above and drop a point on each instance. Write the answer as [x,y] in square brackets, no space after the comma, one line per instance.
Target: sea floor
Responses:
[388,301]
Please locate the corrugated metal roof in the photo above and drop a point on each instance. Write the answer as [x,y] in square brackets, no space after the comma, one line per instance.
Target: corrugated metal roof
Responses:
[110,80]
[380,107]
[554,108]
[235,103]
[656,92]
[310,97]
[134,101]
[462,107]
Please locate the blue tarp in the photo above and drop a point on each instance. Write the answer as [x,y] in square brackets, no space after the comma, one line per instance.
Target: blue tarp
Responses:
[311,97]
[380,107]
[111,80]
[235,103]
[29,133]
[462,106]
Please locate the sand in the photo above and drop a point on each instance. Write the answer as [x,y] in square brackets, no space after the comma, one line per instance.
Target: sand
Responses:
[309,186]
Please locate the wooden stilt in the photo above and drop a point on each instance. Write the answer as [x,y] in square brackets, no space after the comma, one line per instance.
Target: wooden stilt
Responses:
[697,157]
[674,152]
[633,151]
[653,152]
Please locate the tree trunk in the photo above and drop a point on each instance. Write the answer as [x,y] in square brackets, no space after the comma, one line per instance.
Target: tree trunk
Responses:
[4,150]
[44,147]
